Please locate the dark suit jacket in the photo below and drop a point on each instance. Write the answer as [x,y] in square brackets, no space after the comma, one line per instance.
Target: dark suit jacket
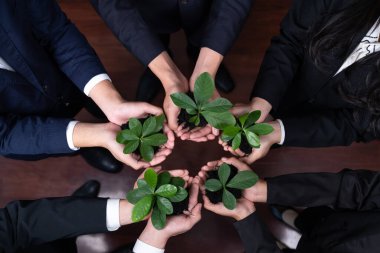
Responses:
[208,23]
[28,223]
[49,55]
[354,227]
[303,96]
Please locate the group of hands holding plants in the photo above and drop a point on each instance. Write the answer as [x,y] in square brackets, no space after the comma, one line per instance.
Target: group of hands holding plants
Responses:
[154,186]
[198,116]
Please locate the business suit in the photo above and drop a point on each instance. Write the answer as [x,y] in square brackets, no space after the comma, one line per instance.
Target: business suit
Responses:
[302,95]
[143,26]
[354,226]
[52,63]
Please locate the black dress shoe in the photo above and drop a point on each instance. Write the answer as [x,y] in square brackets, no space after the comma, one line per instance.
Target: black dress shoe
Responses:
[89,189]
[101,159]
[223,79]
[149,86]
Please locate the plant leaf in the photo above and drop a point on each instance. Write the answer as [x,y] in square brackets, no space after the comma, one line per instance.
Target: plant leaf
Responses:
[231,131]
[135,126]
[194,118]
[243,180]
[252,118]
[142,183]
[177,181]
[158,218]
[166,190]
[149,126]
[218,105]
[163,178]
[126,135]
[136,195]
[236,141]
[180,196]
[224,172]
[142,208]
[204,88]
[183,101]
[131,146]
[165,205]
[229,199]
[213,185]
[226,138]
[159,123]
[252,139]
[219,120]
[155,140]
[150,177]
[262,129]
[146,152]
[191,111]
[243,118]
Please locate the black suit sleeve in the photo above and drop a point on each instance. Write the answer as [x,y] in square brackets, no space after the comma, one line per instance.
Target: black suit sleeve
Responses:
[255,236]
[283,57]
[225,21]
[27,223]
[129,27]
[348,189]
[323,129]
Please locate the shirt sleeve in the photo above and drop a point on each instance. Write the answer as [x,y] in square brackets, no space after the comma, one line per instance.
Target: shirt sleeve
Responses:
[282,129]
[113,214]
[94,81]
[70,133]
[142,247]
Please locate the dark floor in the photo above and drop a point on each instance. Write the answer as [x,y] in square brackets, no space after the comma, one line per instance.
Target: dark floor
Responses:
[60,176]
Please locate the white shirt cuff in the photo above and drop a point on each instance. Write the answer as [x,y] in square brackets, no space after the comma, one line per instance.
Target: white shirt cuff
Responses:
[113,214]
[94,81]
[69,135]
[282,132]
[142,247]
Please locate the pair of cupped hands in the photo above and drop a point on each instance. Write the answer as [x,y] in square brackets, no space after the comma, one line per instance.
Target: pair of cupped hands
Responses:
[171,128]
[182,223]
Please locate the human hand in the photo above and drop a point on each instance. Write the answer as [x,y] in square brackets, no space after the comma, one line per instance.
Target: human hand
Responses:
[198,134]
[257,104]
[175,225]
[171,110]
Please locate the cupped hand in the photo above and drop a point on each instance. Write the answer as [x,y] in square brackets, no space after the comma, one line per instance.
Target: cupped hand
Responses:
[198,134]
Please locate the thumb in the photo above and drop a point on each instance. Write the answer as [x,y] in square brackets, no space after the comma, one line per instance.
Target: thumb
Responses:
[151,109]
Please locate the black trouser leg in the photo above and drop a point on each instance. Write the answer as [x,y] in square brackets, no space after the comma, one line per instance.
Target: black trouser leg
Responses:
[311,217]
[59,246]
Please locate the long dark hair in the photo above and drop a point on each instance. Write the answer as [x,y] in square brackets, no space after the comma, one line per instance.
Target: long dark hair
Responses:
[334,35]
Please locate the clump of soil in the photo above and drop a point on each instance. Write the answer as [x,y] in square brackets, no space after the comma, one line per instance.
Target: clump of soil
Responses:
[244,145]
[179,207]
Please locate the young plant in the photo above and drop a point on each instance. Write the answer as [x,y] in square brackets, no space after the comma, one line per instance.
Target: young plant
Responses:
[245,133]
[143,136]
[156,192]
[215,112]
[226,184]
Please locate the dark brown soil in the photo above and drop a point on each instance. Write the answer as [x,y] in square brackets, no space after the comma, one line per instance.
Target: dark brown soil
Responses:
[244,145]
[184,117]
[179,207]
[216,197]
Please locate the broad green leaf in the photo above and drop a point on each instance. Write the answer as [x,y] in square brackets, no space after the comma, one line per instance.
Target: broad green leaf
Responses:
[224,172]
[226,138]
[146,152]
[243,180]
[252,139]
[213,185]
[229,200]
[158,218]
[236,141]
[204,88]
[262,129]
[151,178]
[191,111]
[131,146]
[219,120]
[159,123]
[243,118]
[183,101]
[231,131]
[197,121]
[142,208]
[218,105]
[163,178]
[142,183]
[135,126]
[194,119]
[166,190]
[126,135]
[155,140]
[177,181]
[165,205]
[149,126]
[180,196]
[137,194]
[252,118]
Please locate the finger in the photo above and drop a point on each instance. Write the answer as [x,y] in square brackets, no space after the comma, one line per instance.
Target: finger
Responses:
[236,162]
[200,133]
[240,109]
[157,160]
[194,191]
[251,158]
[210,137]
[172,116]
[202,177]
[236,152]
[185,136]
[151,109]
[163,152]
[231,150]
[215,131]
[179,173]
[202,139]
[212,164]
[196,214]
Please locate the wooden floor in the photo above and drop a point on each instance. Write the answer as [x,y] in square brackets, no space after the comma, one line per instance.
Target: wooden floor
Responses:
[60,176]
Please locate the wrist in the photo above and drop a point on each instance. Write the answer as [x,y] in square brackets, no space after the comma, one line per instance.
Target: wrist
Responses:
[125,212]
[261,104]
[259,192]
[93,134]
[244,213]
[275,136]
[154,237]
